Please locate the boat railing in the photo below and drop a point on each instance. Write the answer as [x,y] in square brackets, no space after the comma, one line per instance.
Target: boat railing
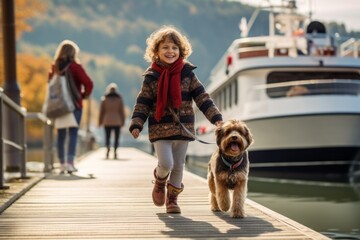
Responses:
[243,45]
[244,48]
[271,47]
[276,46]
[309,87]
[293,46]
[350,48]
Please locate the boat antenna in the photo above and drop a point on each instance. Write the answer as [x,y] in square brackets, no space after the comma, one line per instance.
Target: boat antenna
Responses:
[310,10]
[254,16]
[243,27]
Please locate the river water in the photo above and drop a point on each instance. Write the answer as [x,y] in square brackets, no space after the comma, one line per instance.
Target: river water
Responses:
[330,208]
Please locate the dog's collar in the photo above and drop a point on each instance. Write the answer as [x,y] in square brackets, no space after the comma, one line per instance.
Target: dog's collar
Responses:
[232,166]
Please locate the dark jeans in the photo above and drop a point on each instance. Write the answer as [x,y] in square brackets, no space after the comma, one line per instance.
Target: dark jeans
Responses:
[72,141]
[108,130]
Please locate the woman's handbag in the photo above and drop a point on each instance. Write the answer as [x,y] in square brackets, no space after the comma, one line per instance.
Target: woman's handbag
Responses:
[62,95]
[58,99]
[66,121]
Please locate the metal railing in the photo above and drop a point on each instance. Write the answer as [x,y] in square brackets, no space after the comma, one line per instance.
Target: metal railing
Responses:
[48,139]
[350,48]
[7,104]
[86,140]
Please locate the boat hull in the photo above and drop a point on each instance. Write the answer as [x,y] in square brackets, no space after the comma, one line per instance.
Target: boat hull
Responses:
[315,164]
[309,147]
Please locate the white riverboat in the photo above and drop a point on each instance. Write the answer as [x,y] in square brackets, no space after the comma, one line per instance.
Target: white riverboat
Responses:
[298,90]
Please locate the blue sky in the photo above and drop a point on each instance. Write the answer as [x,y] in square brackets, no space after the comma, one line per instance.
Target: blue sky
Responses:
[345,11]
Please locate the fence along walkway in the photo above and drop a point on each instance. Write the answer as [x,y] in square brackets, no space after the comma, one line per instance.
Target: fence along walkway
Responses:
[111,199]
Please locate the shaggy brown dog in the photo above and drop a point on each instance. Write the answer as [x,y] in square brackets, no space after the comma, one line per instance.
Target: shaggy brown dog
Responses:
[229,168]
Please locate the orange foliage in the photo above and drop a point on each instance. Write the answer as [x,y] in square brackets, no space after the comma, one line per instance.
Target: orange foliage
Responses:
[25,10]
[32,72]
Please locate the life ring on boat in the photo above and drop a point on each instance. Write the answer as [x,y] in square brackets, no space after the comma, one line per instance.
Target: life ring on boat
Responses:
[316,27]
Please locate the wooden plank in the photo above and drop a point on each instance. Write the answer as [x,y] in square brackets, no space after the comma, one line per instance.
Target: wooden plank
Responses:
[17,187]
[111,199]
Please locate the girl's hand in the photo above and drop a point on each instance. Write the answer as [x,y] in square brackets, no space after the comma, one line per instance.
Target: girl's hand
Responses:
[218,123]
[135,133]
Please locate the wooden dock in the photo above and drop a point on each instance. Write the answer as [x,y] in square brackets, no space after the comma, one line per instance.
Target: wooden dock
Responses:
[111,199]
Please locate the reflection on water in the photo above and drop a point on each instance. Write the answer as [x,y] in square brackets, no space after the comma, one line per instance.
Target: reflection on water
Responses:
[322,207]
[330,208]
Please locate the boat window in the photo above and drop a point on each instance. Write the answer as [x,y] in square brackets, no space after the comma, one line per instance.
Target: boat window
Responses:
[236,91]
[219,102]
[215,99]
[230,95]
[282,84]
[226,97]
[252,44]
[225,100]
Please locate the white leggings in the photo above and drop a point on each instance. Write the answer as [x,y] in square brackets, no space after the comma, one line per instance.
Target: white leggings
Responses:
[171,159]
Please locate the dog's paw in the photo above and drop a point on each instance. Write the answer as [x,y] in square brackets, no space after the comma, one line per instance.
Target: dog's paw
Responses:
[224,206]
[215,209]
[237,215]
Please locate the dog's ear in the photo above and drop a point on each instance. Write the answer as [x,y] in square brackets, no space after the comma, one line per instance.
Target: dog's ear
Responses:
[219,134]
[248,136]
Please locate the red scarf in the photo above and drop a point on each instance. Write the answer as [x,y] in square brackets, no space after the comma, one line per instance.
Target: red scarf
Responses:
[169,87]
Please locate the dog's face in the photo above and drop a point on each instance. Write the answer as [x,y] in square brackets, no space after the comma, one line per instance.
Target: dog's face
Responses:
[233,137]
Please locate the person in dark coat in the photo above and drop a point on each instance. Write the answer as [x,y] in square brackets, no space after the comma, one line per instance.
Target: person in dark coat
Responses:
[112,116]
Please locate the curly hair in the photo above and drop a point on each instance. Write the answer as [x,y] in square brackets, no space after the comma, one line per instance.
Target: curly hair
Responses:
[66,51]
[162,34]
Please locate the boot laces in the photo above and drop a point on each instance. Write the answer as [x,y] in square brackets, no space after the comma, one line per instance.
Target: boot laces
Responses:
[160,187]
[172,199]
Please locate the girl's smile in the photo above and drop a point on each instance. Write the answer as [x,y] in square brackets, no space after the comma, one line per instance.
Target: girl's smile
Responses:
[168,52]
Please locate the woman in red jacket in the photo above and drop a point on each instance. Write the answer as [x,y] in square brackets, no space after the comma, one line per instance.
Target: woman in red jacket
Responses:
[67,56]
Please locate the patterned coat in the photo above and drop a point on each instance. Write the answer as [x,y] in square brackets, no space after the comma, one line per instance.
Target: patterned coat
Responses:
[168,128]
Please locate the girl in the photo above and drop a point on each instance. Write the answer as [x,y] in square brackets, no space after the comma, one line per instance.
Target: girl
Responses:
[168,89]
[67,56]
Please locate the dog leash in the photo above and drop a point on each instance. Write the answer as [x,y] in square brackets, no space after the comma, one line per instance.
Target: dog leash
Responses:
[187,130]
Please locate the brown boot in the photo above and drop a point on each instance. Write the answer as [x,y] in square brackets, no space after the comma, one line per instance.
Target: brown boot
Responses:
[158,193]
[171,199]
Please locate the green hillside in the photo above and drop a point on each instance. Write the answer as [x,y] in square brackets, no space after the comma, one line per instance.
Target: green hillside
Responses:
[112,34]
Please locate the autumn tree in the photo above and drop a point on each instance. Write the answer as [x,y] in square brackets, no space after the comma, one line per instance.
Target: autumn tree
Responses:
[24,11]
[31,70]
